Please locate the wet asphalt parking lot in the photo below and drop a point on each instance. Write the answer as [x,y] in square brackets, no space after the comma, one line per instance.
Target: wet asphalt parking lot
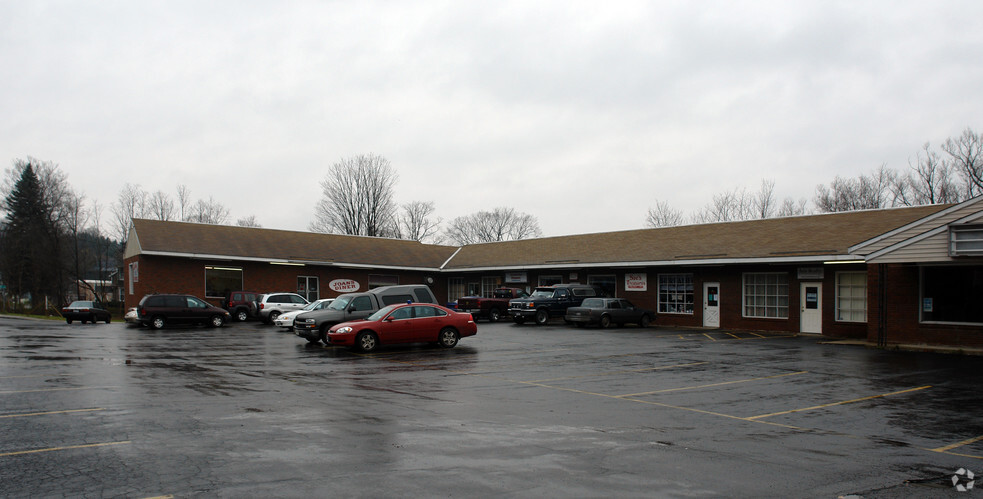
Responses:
[250,410]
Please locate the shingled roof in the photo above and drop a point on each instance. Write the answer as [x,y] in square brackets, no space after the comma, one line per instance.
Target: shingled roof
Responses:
[249,243]
[792,239]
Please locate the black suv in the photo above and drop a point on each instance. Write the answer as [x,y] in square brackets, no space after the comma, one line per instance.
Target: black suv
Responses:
[550,301]
[157,311]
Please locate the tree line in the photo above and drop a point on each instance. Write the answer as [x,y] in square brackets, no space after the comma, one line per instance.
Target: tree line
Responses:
[951,173]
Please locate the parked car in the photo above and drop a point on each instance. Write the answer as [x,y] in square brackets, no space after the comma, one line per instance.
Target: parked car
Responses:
[493,308]
[286,319]
[273,304]
[406,323]
[547,302]
[313,326]
[242,304]
[607,311]
[85,311]
[157,311]
[132,317]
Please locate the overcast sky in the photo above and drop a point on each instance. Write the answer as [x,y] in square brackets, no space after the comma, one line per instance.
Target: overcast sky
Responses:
[582,114]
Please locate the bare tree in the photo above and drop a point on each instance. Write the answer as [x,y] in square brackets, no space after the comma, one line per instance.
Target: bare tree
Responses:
[763,201]
[357,198]
[183,200]
[791,208]
[663,215]
[208,212]
[966,153]
[249,221]
[929,181]
[500,224]
[727,206]
[160,206]
[417,223]
[865,192]
[131,203]
[75,221]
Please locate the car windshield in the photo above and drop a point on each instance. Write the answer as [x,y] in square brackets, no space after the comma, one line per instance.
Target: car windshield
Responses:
[81,304]
[312,306]
[340,303]
[542,293]
[382,312]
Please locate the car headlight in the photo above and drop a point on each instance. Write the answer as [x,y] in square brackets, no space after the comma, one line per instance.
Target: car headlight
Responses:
[344,330]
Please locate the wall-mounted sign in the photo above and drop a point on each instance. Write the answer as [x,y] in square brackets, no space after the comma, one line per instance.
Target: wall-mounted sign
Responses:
[344,285]
[636,282]
[516,277]
[927,305]
[811,273]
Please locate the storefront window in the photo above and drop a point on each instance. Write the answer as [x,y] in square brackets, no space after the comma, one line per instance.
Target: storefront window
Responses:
[378,280]
[455,288]
[676,293]
[851,296]
[488,286]
[605,283]
[220,280]
[550,280]
[952,294]
[766,295]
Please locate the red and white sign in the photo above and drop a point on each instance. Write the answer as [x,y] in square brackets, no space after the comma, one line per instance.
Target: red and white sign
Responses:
[343,285]
[636,282]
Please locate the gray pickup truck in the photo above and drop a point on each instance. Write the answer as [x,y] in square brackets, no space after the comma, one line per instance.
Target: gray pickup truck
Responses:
[313,326]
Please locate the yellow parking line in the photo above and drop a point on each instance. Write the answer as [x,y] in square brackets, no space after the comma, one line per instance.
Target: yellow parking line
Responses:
[49,413]
[53,449]
[611,373]
[55,389]
[734,336]
[710,385]
[711,337]
[843,402]
[958,444]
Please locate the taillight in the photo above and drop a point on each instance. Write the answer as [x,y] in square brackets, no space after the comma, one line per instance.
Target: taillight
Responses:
[262,306]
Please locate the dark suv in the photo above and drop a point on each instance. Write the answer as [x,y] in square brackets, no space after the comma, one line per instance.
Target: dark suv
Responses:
[242,304]
[550,301]
[157,311]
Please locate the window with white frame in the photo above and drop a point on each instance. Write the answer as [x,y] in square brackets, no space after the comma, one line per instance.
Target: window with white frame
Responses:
[489,285]
[550,280]
[851,296]
[966,241]
[676,293]
[766,295]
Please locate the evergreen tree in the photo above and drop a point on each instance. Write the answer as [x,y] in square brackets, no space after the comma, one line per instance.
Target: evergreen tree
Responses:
[30,261]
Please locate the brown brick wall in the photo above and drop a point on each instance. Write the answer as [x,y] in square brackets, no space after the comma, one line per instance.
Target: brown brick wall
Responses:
[903,299]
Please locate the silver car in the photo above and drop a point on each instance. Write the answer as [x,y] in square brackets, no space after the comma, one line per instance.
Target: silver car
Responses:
[271,305]
[287,319]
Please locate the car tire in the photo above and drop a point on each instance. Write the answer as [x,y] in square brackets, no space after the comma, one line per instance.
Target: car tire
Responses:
[542,317]
[644,321]
[241,315]
[519,320]
[272,317]
[216,321]
[109,319]
[366,342]
[605,321]
[448,337]
[494,315]
[68,321]
[158,322]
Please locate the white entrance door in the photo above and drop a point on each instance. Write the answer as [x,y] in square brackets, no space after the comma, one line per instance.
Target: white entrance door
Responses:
[711,304]
[811,307]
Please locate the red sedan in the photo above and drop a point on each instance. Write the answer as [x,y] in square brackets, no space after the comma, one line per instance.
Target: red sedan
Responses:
[404,323]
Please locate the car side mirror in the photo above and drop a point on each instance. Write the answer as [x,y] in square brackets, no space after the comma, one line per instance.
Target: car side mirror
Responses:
[388,318]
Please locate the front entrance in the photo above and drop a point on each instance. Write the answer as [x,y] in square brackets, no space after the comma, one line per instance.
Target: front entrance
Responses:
[711,304]
[811,307]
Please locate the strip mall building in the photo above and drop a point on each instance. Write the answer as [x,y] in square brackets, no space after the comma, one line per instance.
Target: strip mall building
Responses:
[902,275]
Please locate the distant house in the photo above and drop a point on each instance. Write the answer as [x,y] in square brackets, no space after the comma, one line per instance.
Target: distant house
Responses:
[897,275]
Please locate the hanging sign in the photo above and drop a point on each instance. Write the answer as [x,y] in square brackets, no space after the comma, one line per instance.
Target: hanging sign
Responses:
[344,285]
